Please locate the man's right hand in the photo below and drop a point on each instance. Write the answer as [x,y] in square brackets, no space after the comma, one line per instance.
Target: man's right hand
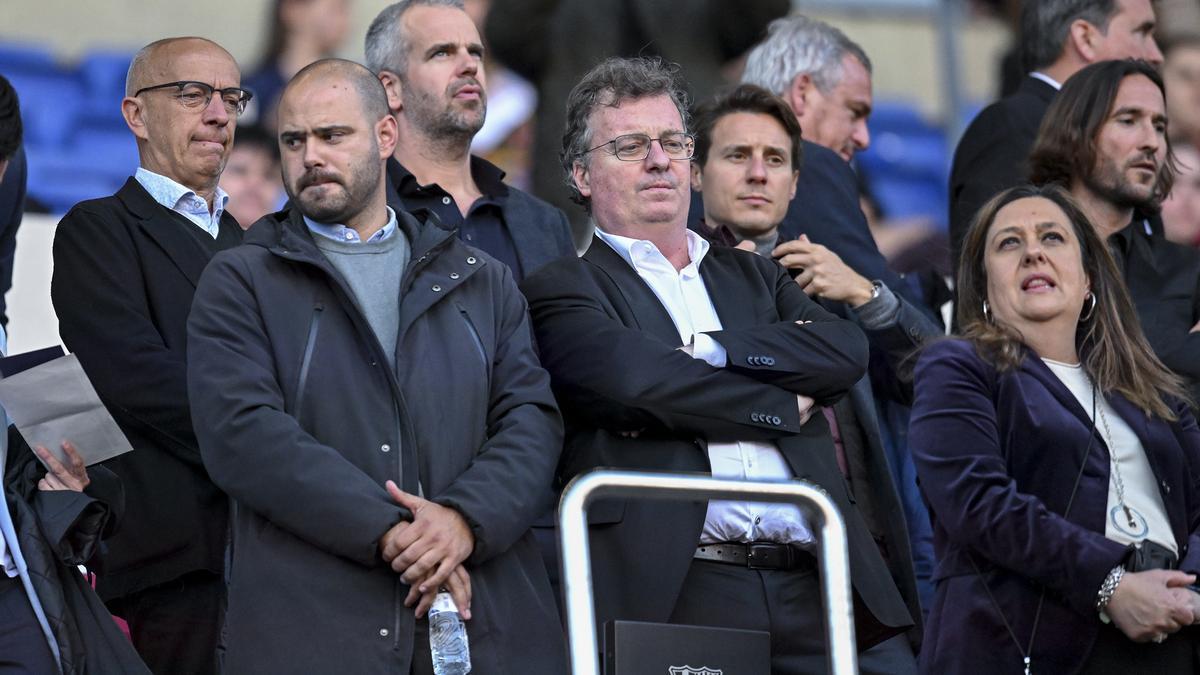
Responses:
[459,586]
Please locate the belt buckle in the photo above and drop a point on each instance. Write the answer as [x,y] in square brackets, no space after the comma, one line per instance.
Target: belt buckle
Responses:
[759,557]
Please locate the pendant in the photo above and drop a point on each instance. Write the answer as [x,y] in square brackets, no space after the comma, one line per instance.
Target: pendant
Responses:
[1128,521]
[1027,670]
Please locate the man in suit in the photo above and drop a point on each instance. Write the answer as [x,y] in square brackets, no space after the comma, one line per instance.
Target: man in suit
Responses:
[1105,140]
[825,78]
[429,56]
[125,270]
[746,165]
[12,187]
[669,355]
[1058,38]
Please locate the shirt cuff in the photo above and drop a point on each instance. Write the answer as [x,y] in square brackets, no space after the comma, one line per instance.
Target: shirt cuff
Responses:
[881,311]
[709,350]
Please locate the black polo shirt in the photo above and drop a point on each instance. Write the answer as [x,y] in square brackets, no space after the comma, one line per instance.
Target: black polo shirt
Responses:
[484,226]
[1164,282]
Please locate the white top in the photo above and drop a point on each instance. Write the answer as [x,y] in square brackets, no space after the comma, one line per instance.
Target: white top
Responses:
[686,299]
[1047,79]
[1141,486]
[184,201]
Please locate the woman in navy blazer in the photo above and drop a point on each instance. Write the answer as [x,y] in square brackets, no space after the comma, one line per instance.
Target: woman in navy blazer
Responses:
[1018,475]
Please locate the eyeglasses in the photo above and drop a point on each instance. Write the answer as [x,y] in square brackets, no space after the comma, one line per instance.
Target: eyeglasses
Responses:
[636,147]
[196,95]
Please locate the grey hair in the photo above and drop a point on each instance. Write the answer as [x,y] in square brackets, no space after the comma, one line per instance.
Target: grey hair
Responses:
[612,82]
[797,45]
[386,45]
[1045,25]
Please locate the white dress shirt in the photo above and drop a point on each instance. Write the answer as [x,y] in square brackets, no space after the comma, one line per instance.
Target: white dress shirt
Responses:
[684,296]
[184,200]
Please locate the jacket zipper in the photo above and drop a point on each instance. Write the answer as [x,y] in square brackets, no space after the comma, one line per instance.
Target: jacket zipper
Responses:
[462,311]
[310,344]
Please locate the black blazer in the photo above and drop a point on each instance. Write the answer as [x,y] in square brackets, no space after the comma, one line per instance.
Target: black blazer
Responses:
[125,269]
[612,352]
[993,154]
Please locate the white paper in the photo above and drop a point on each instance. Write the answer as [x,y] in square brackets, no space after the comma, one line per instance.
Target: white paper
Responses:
[55,402]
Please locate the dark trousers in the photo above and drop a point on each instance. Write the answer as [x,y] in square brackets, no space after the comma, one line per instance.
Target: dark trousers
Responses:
[23,647]
[176,626]
[785,603]
[1115,653]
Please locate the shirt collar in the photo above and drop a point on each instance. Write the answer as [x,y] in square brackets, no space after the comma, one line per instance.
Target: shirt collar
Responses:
[339,232]
[488,177]
[178,197]
[1047,79]
[641,253]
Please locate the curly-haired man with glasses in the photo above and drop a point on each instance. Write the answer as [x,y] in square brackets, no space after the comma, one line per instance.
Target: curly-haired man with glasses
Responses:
[125,270]
[669,355]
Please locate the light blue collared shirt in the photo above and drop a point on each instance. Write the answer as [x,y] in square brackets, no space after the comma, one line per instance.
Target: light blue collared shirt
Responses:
[339,232]
[184,200]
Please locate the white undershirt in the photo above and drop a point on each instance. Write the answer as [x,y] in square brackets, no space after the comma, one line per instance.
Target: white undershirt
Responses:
[1141,486]
[684,296]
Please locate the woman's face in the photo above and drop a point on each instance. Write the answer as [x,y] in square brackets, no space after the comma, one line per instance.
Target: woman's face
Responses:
[1034,266]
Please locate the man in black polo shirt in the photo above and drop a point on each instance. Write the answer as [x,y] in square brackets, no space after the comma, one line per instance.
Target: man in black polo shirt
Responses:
[429,56]
[1105,139]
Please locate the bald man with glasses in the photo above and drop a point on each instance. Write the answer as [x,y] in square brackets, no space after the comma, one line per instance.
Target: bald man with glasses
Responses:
[125,270]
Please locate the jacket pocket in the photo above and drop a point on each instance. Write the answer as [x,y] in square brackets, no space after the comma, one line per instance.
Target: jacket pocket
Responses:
[462,311]
[310,343]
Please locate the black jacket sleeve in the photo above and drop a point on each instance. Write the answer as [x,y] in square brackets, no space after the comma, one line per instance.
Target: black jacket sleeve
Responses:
[104,316]
[620,378]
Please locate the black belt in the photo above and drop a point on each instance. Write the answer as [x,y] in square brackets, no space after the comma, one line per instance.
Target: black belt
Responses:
[758,555]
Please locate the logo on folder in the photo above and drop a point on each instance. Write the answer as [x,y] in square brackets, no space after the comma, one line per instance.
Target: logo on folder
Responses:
[689,670]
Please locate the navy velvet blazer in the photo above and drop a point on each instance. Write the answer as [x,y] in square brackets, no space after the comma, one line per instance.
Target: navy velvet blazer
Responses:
[998,454]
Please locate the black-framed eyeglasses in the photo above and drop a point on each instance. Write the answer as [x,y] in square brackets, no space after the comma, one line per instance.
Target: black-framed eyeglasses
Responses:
[196,95]
[636,147]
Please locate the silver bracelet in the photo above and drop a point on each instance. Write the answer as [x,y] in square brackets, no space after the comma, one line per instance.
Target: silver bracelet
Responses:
[1108,588]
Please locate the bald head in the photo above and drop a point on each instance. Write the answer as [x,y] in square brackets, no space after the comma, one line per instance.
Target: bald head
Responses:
[150,65]
[340,72]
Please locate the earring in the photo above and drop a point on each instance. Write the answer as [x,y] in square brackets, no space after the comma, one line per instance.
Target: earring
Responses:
[1091,308]
[987,312]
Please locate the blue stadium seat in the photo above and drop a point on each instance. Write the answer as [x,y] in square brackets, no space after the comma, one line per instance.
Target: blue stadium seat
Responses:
[903,197]
[103,76]
[25,57]
[49,105]
[60,179]
[109,150]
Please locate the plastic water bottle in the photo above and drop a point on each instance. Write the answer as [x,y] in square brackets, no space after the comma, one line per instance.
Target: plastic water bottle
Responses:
[448,638]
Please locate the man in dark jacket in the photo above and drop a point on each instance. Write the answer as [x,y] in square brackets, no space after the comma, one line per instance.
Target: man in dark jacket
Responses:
[429,56]
[347,346]
[125,271]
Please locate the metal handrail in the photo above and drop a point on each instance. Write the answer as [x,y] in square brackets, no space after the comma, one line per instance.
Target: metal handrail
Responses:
[576,550]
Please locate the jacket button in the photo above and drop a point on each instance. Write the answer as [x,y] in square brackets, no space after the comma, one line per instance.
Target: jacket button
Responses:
[752,360]
[754,417]
[770,361]
[385,447]
[383,632]
[776,421]
[471,260]
[454,275]
[1166,488]
[436,288]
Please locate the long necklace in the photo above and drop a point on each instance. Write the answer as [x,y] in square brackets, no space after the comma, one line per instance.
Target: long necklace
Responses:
[1137,526]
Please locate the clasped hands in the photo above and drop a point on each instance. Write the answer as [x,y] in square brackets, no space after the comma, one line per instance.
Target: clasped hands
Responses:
[428,552]
[1150,605]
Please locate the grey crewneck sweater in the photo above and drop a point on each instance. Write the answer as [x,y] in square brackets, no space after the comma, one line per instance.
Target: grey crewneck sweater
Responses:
[374,270]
